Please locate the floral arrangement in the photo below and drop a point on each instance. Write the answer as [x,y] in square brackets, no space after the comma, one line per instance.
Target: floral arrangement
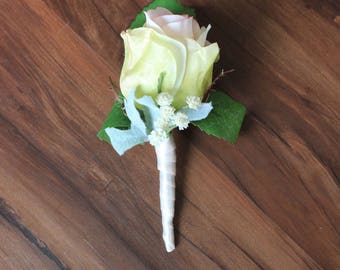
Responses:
[167,71]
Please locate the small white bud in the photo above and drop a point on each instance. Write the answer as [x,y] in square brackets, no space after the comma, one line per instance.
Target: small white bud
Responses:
[157,136]
[167,112]
[164,99]
[181,120]
[193,102]
[162,123]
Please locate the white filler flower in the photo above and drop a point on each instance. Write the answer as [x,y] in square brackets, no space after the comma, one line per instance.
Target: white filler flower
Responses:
[162,123]
[164,99]
[167,112]
[181,120]
[157,136]
[193,102]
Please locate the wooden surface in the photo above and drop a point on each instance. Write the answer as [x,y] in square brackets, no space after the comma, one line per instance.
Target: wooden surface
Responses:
[271,201]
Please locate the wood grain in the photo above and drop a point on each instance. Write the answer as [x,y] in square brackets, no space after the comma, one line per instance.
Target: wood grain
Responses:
[271,201]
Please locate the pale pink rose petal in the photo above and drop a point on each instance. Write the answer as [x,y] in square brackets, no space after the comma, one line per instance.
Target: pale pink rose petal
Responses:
[162,20]
[154,13]
[149,23]
[176,26]
[180,29]
[196,29]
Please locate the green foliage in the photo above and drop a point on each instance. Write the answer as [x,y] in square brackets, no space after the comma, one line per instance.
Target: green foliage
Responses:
[172,5]
[225,120]
[160,81]
[116,118]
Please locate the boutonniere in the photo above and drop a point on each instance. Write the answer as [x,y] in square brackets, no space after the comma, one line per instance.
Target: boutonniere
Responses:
[164,81]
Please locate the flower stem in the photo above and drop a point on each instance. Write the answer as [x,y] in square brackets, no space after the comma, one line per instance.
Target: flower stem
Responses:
[166,164]
[220,76]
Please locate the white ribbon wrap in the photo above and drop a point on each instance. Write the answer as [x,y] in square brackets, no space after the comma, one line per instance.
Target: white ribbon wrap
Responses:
[166,164]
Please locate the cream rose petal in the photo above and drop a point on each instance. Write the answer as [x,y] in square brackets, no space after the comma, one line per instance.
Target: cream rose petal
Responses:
[202,39]
[147,54]
[198,74]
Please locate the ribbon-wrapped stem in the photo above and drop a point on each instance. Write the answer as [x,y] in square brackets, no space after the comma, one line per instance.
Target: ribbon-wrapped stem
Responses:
[166,164]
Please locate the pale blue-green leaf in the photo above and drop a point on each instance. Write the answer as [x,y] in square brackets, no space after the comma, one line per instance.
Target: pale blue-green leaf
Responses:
[150,110]
[123,140]
[132,112]
[202,112]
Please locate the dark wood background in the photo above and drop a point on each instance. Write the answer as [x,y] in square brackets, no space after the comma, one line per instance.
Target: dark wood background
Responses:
[68,201]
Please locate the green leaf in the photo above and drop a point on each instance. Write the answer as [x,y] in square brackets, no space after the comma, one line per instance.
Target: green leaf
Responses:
[116,118]
[160,81]
[172,5]
[225,120]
